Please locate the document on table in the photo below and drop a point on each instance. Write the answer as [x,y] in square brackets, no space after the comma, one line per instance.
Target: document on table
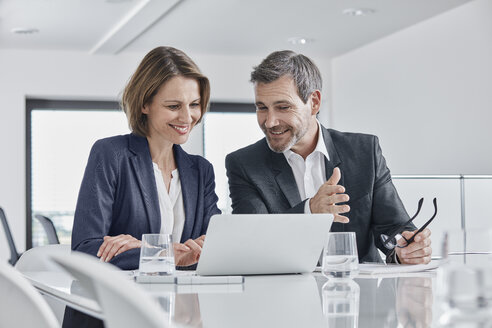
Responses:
[380,268]
[189,278]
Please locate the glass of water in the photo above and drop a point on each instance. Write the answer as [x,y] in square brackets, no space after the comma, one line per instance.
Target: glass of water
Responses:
[156,255]
[465,277]
[340,259]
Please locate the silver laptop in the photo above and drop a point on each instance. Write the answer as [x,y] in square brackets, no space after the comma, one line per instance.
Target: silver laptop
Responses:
[243,244]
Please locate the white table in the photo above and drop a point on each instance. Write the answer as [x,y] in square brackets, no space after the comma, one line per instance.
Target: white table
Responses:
[276,301]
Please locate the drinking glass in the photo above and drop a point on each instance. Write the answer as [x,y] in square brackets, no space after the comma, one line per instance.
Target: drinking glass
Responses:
[341,299]
[465,277]
[156,255]
[340,259]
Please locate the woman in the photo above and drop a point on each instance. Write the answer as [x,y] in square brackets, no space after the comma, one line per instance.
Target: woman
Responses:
[144,182]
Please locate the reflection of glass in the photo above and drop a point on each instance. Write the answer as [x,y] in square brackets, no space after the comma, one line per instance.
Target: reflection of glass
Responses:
[465,278]
[341,303]
[167,303]
[156,255]
[414,301]
[340,258]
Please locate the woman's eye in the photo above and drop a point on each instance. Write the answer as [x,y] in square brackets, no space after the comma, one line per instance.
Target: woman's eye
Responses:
[195,105]
[173,107]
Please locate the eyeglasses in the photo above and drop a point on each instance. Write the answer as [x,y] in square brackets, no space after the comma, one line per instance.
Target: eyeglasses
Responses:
[391,241]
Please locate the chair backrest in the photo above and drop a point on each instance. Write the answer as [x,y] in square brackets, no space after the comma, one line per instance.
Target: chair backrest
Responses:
[38,258]
[21,305]
[123,303]
[49,228]
[14,255]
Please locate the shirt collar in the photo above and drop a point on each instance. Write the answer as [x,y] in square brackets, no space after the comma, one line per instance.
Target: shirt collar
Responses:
[320,145]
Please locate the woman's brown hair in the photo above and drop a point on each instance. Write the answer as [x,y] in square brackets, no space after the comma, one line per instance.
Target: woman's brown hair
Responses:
[157,67]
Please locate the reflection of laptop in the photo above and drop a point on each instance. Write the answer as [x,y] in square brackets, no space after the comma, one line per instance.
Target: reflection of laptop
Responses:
[240,244]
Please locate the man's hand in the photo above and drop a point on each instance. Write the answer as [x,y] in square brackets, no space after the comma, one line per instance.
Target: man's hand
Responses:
[418,252]
[189,252]
[327,197]
[113,246]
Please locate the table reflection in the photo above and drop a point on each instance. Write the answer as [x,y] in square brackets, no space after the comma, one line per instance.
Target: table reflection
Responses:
[414,301]
[341,303]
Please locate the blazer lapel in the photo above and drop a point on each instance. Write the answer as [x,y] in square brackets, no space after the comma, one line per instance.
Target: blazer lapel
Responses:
[335,160]
[285,178]
[188,175]
[143,170]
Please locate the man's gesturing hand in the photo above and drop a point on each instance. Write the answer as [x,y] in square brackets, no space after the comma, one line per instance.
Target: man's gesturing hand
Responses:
[328,196]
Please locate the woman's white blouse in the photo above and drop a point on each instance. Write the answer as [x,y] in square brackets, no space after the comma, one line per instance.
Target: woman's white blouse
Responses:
[171,204]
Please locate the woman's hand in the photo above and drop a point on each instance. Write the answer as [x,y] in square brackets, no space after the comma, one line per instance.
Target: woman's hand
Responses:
[113,246]
[189,252]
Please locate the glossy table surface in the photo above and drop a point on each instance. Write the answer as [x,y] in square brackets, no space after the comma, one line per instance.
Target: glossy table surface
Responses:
[309,300]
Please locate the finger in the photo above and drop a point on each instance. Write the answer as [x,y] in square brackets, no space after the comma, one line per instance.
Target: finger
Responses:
[426,233]
[116,246]
[341,219]
[194,247]
[180,248]
[104,245]
[338,198]
[199,242]
[328,189]
[131,245]
[336,209]
[110,242]
[421,260]
[335,177]
[202,238]
[413,247]
[426,251]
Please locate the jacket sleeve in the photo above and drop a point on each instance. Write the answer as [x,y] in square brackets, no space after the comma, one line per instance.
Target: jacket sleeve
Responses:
[388,211]
[210,198]
[245,196]
[94,211]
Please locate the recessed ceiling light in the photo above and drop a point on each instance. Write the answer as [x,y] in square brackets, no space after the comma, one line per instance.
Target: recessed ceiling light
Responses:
[24,30]
[358,11]
[300,40]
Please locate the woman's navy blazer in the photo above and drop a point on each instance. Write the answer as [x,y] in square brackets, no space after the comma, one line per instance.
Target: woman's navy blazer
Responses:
[118,195]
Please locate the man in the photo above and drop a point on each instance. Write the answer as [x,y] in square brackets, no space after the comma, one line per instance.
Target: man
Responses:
[302,167]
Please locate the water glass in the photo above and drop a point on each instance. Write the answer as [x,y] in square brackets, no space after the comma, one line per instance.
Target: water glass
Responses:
[340,259]
[156,255]
[465,277]
[341,299]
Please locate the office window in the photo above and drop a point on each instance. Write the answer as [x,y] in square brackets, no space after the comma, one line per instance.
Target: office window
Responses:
[228,127]
[60,135]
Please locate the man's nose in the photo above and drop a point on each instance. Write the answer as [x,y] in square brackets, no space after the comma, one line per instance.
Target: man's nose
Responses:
[271,119]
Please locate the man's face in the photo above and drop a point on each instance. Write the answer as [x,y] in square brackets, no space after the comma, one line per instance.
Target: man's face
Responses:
[282,115]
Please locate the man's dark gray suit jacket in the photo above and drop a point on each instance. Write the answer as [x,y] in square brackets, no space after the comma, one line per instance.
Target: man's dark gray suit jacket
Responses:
[261,181]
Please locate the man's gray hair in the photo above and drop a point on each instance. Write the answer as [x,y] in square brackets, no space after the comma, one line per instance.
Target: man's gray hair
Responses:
[286,62]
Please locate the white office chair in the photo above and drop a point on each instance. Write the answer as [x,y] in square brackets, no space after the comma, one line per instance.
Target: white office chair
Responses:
[38,258]
[21,305]
[123,303]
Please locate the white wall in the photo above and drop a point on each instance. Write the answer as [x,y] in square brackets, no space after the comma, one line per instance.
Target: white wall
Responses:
[71,75]
[425,91]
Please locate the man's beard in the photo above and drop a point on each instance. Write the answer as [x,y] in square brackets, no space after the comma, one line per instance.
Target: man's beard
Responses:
[294,138]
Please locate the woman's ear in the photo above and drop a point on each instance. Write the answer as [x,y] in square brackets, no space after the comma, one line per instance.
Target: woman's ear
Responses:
[145,109]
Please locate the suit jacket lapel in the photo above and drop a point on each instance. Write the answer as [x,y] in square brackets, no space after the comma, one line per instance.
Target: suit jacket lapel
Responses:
[335,160]
[188,175]
[285,178]
[143,170]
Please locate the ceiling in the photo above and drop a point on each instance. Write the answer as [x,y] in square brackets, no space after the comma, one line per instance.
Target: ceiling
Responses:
[223,27]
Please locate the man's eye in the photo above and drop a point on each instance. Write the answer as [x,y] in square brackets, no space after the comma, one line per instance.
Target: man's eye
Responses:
[283,107]
[261,108]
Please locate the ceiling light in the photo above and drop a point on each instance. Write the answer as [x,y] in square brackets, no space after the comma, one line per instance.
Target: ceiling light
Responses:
[300,40]
[358,11]
[24,30]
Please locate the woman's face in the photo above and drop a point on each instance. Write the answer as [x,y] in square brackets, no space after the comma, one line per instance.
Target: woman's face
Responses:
[174,110]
